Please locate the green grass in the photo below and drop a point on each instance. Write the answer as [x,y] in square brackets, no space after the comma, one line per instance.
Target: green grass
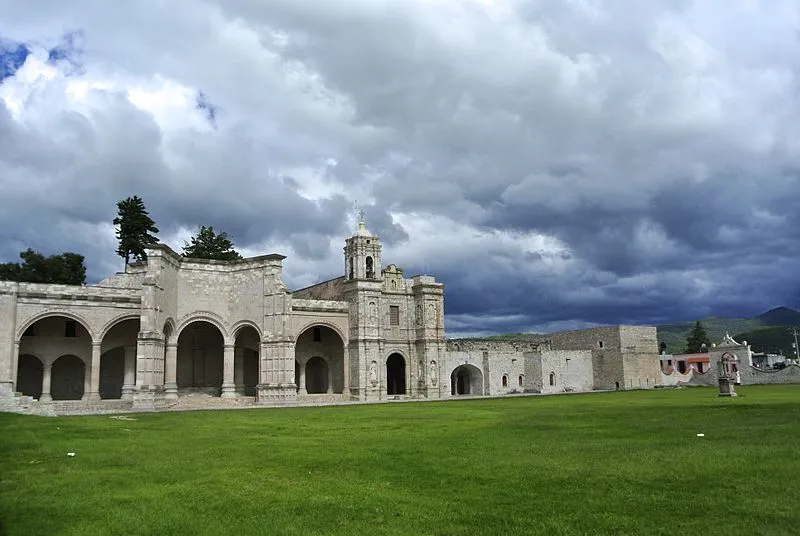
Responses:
[611,463]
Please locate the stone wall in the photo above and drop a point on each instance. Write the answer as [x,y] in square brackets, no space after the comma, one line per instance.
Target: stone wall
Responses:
[640,361]
[571,371]
[333,289]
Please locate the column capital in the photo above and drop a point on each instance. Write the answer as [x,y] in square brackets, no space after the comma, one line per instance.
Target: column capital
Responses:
[97,344]
[229,346]
[172,344]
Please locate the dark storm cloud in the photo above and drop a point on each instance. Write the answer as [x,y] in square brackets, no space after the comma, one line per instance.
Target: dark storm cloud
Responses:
[554,164]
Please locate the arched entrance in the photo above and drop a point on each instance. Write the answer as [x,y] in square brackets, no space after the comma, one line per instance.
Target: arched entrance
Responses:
[319,365]
[68,377]
[200,358]
[118,360]
[63,347]
[466,380]
[30,374]
[245,360]
[395,375]
[316,376]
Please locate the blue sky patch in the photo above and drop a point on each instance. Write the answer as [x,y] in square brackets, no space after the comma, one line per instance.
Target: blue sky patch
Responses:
[12,57]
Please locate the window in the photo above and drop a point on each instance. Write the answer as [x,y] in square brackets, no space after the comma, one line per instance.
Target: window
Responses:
[394,315]
[505,380]
[520,380]
[669,362]
[317,335]
[351,267]
[600,344]
[552,378]
[370,268]
[71,329]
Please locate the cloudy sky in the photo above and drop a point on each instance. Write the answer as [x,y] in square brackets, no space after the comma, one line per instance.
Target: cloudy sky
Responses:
[555,164]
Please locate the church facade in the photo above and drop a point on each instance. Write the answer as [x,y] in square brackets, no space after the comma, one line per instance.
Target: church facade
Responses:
[175,329]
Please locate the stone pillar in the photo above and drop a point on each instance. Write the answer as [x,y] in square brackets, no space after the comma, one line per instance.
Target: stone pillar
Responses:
[92,389]
[238,369]
[46,383]
[171,371]
[129,379]
[228,387]
[346,371]
[11,385]
[330,378]
[301,389]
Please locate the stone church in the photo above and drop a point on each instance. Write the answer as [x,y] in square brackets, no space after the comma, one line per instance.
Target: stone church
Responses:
[175,331]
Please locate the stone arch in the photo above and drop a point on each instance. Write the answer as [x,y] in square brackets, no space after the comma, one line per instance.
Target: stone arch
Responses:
[68,378]
[246,357]
[203,316]
[312,342]
[54,312]
[30,375]
[238,326]
[325,324]
[118,357]
[116,320]
[200,356]
[466,379]
[317,375]
[168,330]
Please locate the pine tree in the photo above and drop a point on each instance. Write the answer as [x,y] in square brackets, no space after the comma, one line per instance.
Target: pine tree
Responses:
[697,341]
[135,228]
[210,245]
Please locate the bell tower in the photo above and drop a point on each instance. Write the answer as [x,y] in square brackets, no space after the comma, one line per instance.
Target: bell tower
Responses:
[362,289]
[362,254]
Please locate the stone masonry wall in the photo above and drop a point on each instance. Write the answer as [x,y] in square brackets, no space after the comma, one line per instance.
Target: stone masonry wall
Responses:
[605,345]
[332,289]
[640,361]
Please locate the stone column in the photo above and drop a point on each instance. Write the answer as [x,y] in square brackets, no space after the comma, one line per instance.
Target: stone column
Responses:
[171,371]
[13,371]
[129,379]
[228,387]
[346,370]
[92,391]
[302,387]
[46,383]
[238,369]
[330,378]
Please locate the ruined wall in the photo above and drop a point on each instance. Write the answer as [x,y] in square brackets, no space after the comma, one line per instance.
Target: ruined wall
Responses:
[605,344]
[640,360]
[332,290]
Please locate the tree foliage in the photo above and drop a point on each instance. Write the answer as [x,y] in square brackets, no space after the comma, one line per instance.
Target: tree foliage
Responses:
[65,269]
[136,230]
[697,341]
[210,245]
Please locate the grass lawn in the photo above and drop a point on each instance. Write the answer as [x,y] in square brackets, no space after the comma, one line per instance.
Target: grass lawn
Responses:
[604,463]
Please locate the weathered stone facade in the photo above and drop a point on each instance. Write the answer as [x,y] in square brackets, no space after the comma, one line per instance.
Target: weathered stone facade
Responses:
[174,329]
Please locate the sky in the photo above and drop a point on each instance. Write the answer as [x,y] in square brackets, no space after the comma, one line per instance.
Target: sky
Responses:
[557,165]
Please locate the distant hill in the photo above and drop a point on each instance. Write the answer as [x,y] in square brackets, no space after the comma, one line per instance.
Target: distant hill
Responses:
[775,340]
[741,328]
[780,316]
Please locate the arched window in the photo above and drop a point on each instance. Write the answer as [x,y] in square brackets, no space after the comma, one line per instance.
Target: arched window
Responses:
[553,379]
[351,267]
[505,380]
[520,380]
[370,268]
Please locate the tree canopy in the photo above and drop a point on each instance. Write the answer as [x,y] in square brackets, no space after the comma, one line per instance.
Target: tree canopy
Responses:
[136,230]
[697,341]
[210,245]
[65,269]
